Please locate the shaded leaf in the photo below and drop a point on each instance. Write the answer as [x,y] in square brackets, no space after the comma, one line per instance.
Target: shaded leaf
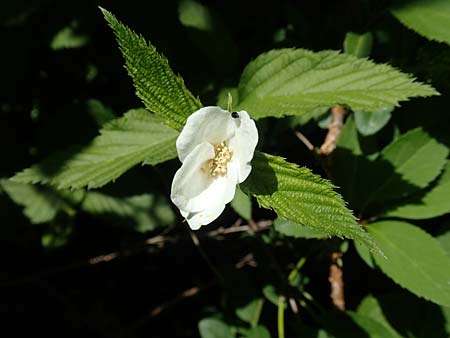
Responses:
[258,332]
[373,328]
[296,230]
[432,203]
[414,259]
[251,311]
[416,159]
[214,328]
[242,204]
[41,204]
[369,123]
[146,211]
[370,308]
[138,137]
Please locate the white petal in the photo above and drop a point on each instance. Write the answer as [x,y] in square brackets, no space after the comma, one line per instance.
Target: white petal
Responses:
[214,199]
[191,181]
[243,144]
[208,124]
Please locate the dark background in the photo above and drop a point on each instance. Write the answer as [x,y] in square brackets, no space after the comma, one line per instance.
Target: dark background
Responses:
[56,289]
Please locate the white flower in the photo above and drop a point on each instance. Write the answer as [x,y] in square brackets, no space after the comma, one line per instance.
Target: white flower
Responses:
[215,147]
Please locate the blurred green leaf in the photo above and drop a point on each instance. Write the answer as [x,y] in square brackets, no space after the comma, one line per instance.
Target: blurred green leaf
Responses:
[370,308]
[209,33]
[251,311]
[301,82]
[359,45]
[296,230]
[100,112]
[258,332]
[146,211]
[162,92]
[138,137]
[414,259]
[429,18]
[431,203]
[444,240]
[301,197]
[373,328]
[41,204]
[56,236]
[214,328]
[365,255]
[406,315]
[242,204]
[271,294]
[194,14]
[68,37]
[370,122]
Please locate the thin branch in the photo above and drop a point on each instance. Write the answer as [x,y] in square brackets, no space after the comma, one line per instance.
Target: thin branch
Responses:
[158,240]
[334,130]
[337,281]
[335,274]
[305,140]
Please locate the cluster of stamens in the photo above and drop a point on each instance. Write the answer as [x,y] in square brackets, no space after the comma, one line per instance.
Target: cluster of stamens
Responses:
[218,165]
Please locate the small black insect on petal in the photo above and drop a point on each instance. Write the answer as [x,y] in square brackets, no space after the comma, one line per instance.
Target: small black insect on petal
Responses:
[234,115]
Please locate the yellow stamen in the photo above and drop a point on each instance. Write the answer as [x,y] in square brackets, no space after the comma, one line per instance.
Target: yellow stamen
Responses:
[218,165]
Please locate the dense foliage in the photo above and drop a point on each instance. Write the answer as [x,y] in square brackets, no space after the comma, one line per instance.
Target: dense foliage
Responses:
[342,228]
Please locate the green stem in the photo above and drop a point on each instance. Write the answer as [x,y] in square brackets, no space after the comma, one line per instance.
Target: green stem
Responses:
[297,268]
[281,302]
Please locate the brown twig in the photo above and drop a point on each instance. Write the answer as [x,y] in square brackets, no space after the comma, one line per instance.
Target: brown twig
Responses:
[334,130]
[337,281]
[336,274]
[305,140]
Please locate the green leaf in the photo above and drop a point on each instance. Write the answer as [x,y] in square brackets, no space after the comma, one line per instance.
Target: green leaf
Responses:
[138,137]
[146,211]
[432,203]
[258,332]
[271,294]
[41,204]
[56,236]
[296,230]
[406,315]
[100,113]
[251,311]
[373,328]
[242,204]
[162,92]
[68,38]
[369,123]
[370,308]
[365,255]
[359,45]
[214,328]
[222,97]
[407,165]
[301,82]
[429,18]
[301,197]
[415,260]
[209,34]
[444,240]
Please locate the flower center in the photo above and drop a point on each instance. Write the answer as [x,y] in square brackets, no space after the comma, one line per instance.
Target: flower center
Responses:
[218,165]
